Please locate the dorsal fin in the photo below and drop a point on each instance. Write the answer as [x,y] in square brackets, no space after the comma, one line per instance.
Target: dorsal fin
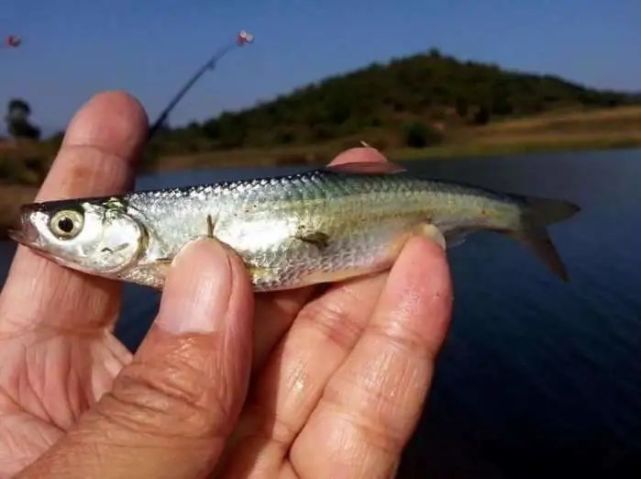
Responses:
[366,168]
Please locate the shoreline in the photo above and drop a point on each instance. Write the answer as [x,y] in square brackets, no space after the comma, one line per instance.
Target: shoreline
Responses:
[321,154]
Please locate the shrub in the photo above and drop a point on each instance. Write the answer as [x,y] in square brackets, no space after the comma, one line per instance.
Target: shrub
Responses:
[419,135]
[482,116]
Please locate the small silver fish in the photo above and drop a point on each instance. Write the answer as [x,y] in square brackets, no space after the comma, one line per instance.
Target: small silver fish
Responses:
[320,226]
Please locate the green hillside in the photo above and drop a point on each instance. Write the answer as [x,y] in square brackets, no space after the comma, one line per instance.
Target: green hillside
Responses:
[413,101]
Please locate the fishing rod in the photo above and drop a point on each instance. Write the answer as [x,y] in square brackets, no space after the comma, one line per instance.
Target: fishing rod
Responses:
[243,38]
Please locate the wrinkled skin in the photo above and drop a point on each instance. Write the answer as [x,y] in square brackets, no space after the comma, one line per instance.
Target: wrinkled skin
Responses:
[337,376]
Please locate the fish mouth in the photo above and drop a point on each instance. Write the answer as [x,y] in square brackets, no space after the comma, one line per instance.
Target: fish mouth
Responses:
[24,232]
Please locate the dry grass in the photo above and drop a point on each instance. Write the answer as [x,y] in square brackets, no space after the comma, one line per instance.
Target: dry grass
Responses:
[552,131]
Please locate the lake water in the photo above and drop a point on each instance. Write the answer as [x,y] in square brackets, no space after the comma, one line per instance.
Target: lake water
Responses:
[538,378]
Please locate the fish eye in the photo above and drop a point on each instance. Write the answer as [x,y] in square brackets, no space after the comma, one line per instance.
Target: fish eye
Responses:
[66,224]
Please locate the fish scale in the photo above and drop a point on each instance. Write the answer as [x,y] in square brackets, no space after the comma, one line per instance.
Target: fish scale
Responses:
[267,221]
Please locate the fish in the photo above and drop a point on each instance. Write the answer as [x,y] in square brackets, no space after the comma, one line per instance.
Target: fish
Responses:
[318,226]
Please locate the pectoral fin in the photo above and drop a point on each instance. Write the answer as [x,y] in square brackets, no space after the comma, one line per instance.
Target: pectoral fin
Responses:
[457,237]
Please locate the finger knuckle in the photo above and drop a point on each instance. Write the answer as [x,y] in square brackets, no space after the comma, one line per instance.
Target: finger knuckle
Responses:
[380,436]
[335,322]
[172,400]
[269,425]
[379,412]
[402,338]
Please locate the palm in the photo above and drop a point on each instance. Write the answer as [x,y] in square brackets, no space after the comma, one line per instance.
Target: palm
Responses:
[34,407]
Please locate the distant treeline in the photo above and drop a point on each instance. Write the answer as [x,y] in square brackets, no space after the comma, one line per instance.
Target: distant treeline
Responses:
[410,101]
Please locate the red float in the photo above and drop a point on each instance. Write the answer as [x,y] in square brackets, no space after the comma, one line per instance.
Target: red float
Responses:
[12,41]
[244,38]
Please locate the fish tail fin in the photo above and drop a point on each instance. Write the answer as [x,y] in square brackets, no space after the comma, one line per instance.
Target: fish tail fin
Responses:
[539,213]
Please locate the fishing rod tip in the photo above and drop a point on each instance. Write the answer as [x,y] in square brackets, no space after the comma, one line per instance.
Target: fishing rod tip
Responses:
[244,37]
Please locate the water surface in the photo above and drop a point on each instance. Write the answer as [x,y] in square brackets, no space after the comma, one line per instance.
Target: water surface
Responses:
[538,378]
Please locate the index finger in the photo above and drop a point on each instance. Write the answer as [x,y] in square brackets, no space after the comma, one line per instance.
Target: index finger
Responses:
[97,157]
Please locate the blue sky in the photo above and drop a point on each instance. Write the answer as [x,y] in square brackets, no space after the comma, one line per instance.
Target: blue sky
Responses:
[73,48]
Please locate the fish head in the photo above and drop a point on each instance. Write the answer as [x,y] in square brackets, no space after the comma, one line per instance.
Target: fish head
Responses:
[93,236]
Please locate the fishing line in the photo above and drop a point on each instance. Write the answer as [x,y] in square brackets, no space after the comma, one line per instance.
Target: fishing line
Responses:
[243,38]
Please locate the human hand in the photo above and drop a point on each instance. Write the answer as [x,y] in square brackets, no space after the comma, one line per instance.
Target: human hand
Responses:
[337,378]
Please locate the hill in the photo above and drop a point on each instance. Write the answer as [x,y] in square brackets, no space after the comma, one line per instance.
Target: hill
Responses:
[415,101]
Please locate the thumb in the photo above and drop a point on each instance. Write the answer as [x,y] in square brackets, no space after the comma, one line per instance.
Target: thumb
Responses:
[171,409]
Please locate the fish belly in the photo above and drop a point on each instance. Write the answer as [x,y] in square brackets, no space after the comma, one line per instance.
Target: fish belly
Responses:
[286,254]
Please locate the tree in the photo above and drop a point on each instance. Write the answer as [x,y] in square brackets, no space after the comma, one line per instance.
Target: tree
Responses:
[482,116]
[17,120]
[420,135]
[462,107]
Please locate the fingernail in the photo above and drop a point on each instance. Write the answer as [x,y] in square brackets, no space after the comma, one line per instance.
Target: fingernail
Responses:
[197,289]
[432,233]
